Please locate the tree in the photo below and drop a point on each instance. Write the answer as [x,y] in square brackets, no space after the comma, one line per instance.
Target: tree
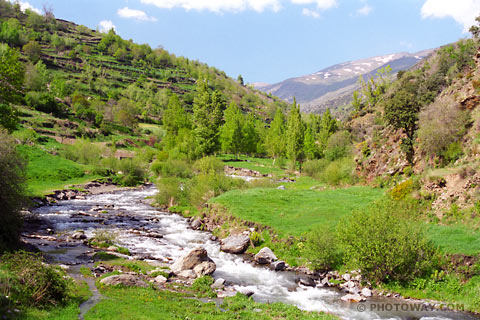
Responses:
[36,77]
[174,119]
[207,116]
[125,113]
[33,51]
[8,117]
[275,139]
[295,134]
[240,80]
[12,191]
[328,126]
[231,135]
[401,112]
[475,29]
[11,75]
[249,135]
[309,146]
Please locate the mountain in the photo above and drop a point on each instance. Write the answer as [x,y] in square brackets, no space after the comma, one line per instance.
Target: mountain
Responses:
[332,87]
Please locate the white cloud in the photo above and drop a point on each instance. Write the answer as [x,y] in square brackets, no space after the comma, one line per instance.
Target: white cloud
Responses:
[218,5]
[310,13]
[106,26]
[462,11]
[321,4]
[365,10]
[26,6]
[134,14]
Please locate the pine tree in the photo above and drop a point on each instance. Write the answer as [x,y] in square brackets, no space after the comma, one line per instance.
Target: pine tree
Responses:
[207,115]
[295,134]
[231,133]
[275,140]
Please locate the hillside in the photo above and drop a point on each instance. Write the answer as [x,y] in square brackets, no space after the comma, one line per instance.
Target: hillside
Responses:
[333,87]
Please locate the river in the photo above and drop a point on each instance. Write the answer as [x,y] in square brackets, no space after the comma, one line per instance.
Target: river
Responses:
[131,218]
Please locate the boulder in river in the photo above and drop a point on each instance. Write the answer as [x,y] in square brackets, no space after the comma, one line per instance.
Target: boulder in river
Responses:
[278,265]
[366,292]
[125,280]
[306,281]
[265,256]
[79,235]
[218,284]
[196,224]
[235,243]
[196,261]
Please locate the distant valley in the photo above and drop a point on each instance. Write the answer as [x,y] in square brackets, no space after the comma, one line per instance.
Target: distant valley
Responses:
[332,87]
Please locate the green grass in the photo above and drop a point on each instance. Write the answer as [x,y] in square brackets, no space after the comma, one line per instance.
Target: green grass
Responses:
[262,165]
[455,239]
[47,172]
[147,303]
[296,211]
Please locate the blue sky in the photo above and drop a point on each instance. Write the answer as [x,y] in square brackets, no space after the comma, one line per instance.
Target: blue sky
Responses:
[271,40]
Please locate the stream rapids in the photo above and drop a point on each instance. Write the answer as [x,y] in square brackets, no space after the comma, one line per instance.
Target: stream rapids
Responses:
[131,218]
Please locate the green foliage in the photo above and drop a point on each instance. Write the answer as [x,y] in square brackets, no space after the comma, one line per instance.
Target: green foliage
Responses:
[44,102]
[83,151]
[275,139]
[339,172]
[400,191]
[12,191]
[207,114]
[314,168]
[8,117]
[125,113]
[204,186]
[322,248]
[36,77]
[231,133]
[12,73]
[202,288]
[255,238]
[452,152]
[338,146]
[132,173]
[33,50]
[28,282]
[384,246]
[172,168]
[169,191]
[174,120]
[295,134]
[208,165]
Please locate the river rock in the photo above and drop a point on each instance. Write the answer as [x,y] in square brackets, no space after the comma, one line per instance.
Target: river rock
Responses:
[228,292]
[235,243]
[366,292]
[265,256]
[346,277]
[196,262]
[196,224]
[218,284]
[281,187]
[306,281]
[278,265]
[353,298]
[160,279]
[79,235]
[125,280]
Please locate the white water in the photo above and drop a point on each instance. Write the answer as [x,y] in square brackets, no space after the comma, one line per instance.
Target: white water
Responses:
[178,240]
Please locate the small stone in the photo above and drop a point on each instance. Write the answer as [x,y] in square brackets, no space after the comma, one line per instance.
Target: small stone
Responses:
[112,248]
[308,282]
[196,224]
[353,298]
[218,284]
[278,265]
[346,277]
[281,187]
[79,235]
[366,292]
[160,279]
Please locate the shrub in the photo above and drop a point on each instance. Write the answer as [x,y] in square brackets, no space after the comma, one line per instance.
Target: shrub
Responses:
[133,173]
[255,238]
[338,145]
[27,281]
[8,117]
[313,168]
[338,172]
[44,102]
[401,190]
[83,151]
[384,246]
[12,191]
[322,249]
[172,168]
[205,186]
[169,191]
[207,165]
[452,153]
[202,286]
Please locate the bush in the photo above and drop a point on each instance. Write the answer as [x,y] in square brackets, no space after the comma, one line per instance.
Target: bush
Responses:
[27,281]
[133,173]
[12,191]
[322,249]
[202,286]
[172,168]
[338,145]
[205,186]
[169,191]
[384,246]
[401,190]
[44,102]
[83,151]
[8,117]
[207,165]
[313,168]
[452,153]
[338,172]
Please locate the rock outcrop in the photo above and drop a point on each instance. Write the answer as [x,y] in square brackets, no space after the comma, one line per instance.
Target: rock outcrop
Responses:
[125,280]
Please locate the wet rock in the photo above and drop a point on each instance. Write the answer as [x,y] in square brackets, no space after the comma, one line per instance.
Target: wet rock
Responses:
[247,292]
[228,292]
[205,268]
[196,261]
[79,235]
[346,277]
[325,283]
[124,279]
[366,292]
[353,298]
[218,284]
[235,243]
[160,279]
[306,281]
[278,265]
[265,256]
[196,224]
